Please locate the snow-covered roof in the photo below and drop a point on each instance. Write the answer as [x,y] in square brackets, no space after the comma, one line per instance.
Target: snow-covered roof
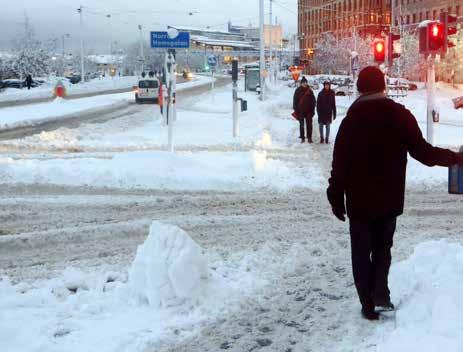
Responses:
[106,59]
[425,23]
[206,30]
[219,42]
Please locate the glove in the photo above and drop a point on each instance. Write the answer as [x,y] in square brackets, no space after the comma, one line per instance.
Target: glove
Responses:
[339,213]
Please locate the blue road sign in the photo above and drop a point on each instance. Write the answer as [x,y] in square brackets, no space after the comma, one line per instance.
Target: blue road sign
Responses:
[212,60]
[161,40]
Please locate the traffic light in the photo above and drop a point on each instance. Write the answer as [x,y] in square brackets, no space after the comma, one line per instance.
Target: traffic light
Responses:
[449,23]
[391,54]
[379,50]
[436,36]
[431,37]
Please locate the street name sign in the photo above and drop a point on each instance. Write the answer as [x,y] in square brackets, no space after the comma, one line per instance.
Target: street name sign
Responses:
[162,40]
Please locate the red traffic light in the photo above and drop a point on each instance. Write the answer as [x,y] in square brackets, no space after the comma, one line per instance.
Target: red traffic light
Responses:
[449,23]
[379,47]
[436,37]
[379,50]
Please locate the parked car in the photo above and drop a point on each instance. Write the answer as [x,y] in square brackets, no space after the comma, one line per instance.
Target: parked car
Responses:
[147,90]
[14,83]
[74,79]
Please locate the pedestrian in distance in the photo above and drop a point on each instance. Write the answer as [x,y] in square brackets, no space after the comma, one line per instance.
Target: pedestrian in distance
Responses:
[326,111]
[29,82]
[304,110]
[368,176]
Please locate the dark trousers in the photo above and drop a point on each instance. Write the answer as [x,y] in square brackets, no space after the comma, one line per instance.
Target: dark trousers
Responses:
[371,244]
[305,125]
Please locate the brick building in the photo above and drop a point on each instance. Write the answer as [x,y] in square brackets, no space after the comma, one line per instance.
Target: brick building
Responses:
[412,12]
[341,18]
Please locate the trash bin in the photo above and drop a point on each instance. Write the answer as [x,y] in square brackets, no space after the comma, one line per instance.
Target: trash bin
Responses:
[456,178]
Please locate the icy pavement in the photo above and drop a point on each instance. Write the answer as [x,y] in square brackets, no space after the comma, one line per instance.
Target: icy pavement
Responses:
[283,253]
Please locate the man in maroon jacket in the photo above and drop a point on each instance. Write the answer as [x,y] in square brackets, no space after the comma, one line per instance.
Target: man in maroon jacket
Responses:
[369,167]
[304,104]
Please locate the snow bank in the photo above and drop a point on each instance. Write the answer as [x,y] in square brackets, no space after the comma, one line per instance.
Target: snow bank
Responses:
[428,288]
[30,115]
[163,170]
[169,268]
[88,311]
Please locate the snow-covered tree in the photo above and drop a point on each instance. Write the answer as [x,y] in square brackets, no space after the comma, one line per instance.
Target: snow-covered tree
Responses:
[333,55]
[31,55]
[411,64]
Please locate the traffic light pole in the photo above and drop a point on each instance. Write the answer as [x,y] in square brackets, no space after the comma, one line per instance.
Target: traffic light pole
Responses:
[431,110]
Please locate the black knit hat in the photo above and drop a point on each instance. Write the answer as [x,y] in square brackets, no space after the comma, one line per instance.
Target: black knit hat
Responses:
[371,80]
[304,80]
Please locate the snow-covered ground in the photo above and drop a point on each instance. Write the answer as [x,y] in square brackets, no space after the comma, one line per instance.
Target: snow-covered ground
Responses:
[427,289]
[76,203]
[29,115]
[46,90]
[204,123]
[163,170]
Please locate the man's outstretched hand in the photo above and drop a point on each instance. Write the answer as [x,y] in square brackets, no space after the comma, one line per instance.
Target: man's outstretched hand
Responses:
[340,213]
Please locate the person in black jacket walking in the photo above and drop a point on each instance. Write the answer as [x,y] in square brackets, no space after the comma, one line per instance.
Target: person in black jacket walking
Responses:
[29,82]
[369,168]
[326,111]
[304,106]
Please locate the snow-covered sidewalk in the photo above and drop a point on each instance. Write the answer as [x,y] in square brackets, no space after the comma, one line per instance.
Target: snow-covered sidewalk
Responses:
[163,170]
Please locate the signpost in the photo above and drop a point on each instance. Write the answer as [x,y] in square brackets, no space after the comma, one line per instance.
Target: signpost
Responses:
[212,62]
[170,40]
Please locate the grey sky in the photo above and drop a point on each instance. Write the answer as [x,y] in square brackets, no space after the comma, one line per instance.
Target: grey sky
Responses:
[53,18]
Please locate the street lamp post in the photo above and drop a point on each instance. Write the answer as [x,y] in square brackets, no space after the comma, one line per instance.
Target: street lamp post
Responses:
[63,37]
[82,65]
[142,52]
[262,50]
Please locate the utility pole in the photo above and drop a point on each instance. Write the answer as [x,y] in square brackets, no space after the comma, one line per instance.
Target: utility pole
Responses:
[271,40]
[142,50]
[82,59]
[262,50]
[63,37]
[431,102]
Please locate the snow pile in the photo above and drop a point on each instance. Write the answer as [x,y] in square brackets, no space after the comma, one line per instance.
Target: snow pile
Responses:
[169,268]
[429,289]
[30,115]
[81,310]
[162,170]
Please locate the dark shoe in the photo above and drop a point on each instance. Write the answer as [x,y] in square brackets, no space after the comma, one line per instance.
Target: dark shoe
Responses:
[322,140]
[385,306]
[370,314]
[302,141]
[327,141]
[309,140]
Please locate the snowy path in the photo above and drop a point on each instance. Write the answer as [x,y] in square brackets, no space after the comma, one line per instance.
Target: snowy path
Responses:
[309,303]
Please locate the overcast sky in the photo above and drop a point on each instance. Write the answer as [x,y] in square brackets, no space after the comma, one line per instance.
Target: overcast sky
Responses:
[53,18]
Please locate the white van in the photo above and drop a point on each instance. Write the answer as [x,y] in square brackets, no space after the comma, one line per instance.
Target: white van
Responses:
[147,91]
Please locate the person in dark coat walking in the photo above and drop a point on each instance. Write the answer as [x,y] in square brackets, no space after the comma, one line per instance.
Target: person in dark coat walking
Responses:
[326,111]
[28,82]
[369,168]
[304,106]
